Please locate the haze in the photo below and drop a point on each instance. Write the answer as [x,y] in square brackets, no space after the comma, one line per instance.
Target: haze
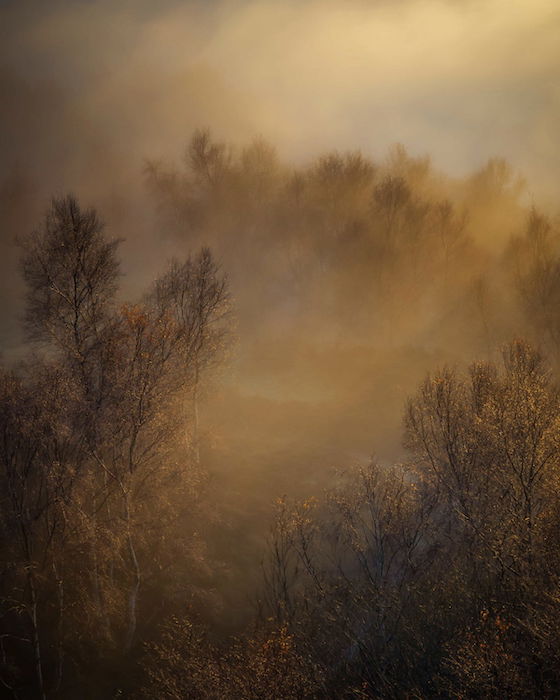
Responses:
[307,213]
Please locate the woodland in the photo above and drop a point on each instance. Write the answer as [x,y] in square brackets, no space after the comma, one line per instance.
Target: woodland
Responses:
[317,456]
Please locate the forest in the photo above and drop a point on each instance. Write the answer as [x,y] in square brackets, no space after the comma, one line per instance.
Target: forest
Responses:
[279,350]
[316,455]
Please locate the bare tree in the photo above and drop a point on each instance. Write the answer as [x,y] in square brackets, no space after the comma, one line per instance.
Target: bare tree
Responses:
[94,459]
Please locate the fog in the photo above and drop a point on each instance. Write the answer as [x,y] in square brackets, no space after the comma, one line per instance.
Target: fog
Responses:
[93,89]
[460,81]
[377,180]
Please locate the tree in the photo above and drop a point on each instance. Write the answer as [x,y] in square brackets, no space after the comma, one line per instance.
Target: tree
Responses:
[492,437]
[193,296]
[345,576]
[534,262]
[94,459]
[71,274]
[209,161]
[488,443]
[438,576]
[41,461]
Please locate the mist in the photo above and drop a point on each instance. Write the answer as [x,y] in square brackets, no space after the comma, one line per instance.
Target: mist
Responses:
[375,184]
[460,81]
[94,87]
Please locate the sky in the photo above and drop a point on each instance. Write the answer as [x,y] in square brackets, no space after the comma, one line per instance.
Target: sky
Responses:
[95,85]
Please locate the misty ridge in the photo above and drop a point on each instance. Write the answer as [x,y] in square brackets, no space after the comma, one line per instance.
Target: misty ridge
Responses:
[279,401]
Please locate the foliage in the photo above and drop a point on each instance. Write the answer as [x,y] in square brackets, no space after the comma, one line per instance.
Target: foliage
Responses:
[99,485]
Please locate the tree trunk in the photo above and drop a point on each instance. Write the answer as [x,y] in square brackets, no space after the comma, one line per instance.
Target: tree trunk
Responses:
[35,637]
[60,596]
[134,591]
